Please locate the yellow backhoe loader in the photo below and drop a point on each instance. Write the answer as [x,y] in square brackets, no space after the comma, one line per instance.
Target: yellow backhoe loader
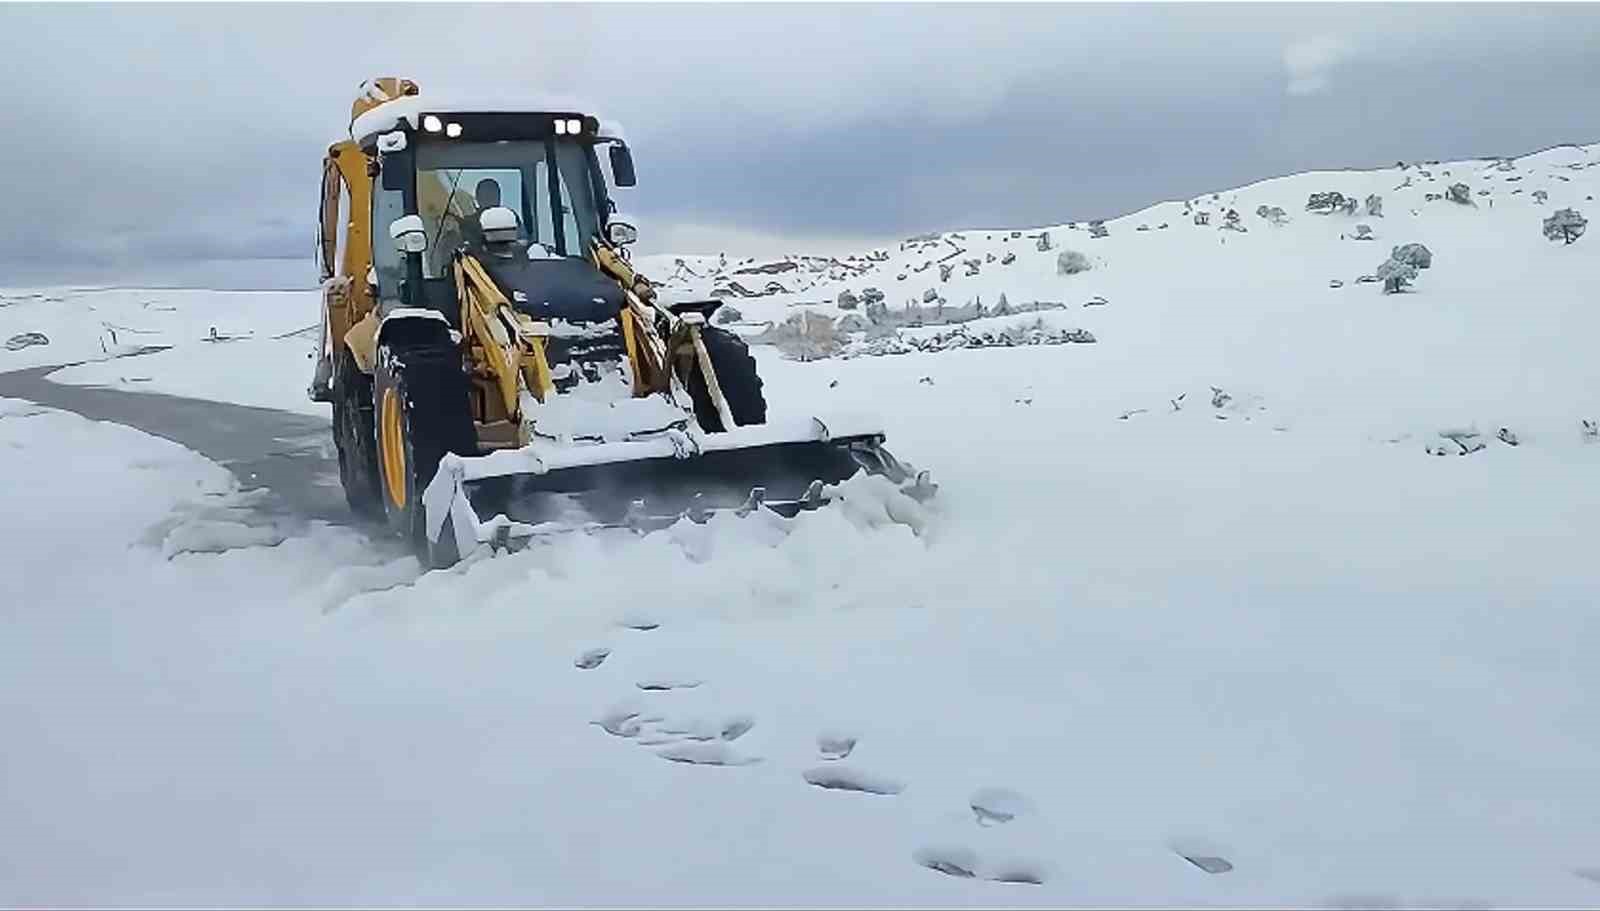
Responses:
[496,367]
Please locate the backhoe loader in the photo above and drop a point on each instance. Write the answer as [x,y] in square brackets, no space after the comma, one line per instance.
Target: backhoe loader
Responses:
[496,367]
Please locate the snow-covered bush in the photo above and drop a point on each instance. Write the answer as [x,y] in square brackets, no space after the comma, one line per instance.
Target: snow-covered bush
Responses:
[1541,197]
[930,295]
[871,296]
[1363,232]
[1460,194]
[1273,214]
[1375,206]
[1349,207]
[944,271]
[728,314]
[1097,230]
[1566,225]
[1415,254]
[847,300]
[1325,203]
[1395,275]
[1071,262]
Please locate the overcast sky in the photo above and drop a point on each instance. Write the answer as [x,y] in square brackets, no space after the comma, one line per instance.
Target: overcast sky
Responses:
[157,140]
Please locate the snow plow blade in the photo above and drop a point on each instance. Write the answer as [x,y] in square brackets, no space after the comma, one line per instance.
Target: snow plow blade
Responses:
[505,498]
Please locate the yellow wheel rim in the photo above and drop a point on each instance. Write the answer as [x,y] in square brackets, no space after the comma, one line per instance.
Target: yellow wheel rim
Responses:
[394,451]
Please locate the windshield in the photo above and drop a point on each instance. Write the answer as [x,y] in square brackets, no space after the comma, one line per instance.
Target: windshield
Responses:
[548,183]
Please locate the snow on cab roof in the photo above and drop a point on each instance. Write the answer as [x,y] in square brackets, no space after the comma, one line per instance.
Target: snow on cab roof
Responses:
[409,108]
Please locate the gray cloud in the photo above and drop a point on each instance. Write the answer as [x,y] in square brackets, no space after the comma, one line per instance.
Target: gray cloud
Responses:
[138,135]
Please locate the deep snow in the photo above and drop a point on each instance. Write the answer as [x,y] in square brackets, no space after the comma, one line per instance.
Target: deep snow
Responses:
[1272,634]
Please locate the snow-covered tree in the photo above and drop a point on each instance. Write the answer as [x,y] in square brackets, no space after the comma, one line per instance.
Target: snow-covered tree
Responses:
[1375,206]
[1071,262]
[1395,275]
[1566,225]
[1415,254]
[1003,308]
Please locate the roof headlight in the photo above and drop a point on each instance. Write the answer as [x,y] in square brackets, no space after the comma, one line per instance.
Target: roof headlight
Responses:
[432,123]
[452,130]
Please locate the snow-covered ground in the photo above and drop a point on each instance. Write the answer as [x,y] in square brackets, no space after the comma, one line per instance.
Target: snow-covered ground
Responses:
[1262,625]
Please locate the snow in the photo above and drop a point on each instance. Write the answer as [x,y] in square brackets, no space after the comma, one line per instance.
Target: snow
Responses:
[1195,619]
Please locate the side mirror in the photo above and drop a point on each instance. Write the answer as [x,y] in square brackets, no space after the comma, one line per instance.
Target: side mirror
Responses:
[620,230]
[408,234]
[622,166]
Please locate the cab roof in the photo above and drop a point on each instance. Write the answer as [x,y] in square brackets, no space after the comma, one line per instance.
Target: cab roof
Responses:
[408,110]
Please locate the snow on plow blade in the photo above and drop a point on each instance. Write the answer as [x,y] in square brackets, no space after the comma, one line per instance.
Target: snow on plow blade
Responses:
[647,483]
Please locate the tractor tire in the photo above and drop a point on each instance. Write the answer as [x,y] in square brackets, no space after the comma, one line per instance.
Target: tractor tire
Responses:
[736,374]
[420,396]
[353,437]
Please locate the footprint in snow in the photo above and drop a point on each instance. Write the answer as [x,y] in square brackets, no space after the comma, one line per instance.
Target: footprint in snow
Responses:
[835,746]
[703,730]
[840,777]
[713,752]
[964,863]
[1202,853]
[994,806]
[592,658]
[624,721]
[951,861]
[661,684]
[736,727]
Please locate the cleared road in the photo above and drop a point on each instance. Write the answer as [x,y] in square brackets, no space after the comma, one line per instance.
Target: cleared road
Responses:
[290,454]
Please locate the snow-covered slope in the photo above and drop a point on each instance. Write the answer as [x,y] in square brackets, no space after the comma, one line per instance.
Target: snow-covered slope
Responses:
[1194,590]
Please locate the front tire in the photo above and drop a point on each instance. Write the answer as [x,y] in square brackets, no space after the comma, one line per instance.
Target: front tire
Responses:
[354,439]
[736,375]
[420,397]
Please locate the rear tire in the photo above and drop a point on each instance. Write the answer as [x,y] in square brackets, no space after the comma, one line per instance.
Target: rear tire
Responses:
[736,375]
[420,396]
[354,439]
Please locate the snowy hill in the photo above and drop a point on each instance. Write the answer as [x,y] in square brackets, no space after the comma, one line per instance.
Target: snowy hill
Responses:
[1200,618]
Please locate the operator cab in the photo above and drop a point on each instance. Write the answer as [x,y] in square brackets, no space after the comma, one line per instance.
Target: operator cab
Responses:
[524,192]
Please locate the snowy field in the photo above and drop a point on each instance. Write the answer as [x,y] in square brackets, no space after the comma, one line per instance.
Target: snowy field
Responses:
[1196,590]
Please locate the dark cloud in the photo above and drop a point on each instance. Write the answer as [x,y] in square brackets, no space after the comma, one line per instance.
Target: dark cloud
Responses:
[149,134]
